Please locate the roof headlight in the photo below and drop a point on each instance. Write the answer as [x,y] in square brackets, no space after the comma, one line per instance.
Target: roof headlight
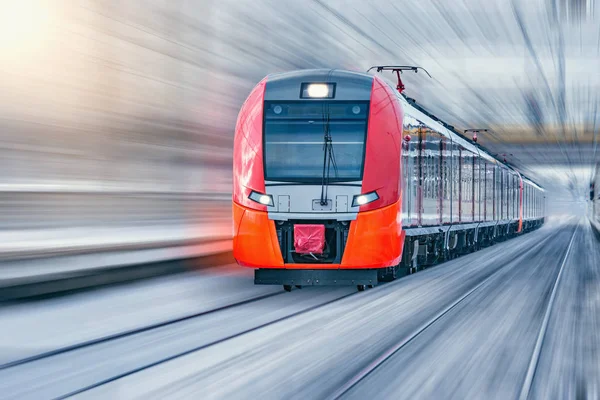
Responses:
[317,91]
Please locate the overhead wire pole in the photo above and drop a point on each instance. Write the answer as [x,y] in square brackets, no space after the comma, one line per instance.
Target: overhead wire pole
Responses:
[594,160]
[562,112]
[532,52]
[354,27]
[179,74]
[489,118]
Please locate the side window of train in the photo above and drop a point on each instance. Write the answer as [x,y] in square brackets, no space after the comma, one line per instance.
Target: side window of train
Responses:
[518,194]
[455,182]
[514,197]
[467,185]
[504,193]
[524,200]
[533,214]
[431,153]
[529,201]
[410,170]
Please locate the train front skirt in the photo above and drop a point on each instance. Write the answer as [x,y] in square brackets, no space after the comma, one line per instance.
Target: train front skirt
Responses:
[312,277]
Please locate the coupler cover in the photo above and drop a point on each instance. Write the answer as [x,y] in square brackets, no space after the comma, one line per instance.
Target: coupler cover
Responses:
[309,239]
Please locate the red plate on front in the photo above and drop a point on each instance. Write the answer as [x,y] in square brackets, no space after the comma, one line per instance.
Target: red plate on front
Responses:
[309,239]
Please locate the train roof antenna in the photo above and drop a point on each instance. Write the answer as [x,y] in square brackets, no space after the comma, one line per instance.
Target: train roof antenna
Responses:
[398,70]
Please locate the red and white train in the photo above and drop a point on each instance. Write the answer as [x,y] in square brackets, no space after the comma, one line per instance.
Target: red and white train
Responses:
[341,180]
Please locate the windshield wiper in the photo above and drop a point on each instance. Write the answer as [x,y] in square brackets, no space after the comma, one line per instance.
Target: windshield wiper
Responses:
[328,156]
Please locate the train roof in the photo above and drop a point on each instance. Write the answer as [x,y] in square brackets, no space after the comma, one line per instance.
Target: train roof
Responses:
[532,183]
[457,136]
[319,73]
[281,85]
[286,85]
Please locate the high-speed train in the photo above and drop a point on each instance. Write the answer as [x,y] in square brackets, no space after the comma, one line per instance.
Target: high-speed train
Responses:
[339,179]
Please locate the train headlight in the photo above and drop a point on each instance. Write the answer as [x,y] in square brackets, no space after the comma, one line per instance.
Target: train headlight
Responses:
[317,91]
[362,199]
[261,198]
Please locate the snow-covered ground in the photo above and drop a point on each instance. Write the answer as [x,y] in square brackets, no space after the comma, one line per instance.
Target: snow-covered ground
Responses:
[310,342]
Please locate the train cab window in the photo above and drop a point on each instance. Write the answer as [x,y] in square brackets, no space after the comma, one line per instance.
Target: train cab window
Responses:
[294,140]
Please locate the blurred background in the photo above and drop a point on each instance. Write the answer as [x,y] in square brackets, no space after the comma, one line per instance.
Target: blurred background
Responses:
[116,131]
[120,114]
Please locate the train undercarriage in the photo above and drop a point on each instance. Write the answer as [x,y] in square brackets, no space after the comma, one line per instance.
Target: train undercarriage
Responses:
[423,248]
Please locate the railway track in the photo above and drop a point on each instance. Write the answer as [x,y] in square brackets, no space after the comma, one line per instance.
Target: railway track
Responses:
[104,369]
[131,332]
[195,349]
[381,359]
[87,353]
[537,350]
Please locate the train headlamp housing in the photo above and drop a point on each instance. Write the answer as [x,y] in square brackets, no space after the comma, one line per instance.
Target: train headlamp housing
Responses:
[362,199]
[317,90]
[261,198]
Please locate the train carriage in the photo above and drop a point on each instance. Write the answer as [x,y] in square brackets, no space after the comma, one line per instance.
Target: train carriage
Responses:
[341,180]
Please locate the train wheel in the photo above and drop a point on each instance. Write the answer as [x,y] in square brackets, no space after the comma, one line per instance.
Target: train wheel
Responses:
[370,286]
[361,288]
[299,286]
[287,288]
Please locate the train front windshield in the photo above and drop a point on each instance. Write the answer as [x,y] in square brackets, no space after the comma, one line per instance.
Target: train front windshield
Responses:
[294,140]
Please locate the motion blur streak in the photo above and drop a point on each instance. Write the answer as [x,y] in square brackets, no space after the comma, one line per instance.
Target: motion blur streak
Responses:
[143,95]
[117,120]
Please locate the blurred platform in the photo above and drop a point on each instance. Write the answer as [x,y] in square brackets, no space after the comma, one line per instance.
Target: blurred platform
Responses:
[34,262]
[61,235]
[38,243]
